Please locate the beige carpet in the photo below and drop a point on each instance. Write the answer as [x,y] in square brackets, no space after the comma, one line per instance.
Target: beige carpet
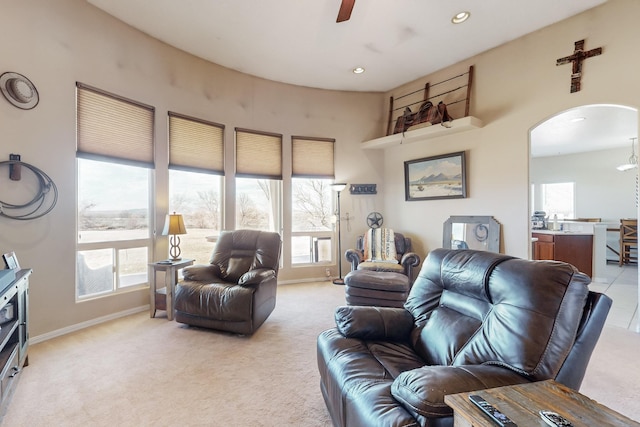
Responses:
[139,371]
[613,375]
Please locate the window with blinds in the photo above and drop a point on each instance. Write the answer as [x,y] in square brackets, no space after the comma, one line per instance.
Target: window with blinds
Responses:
[196,179]
[113,128]
[312,239]
[195,145]
[312,157]
[258,154]
[115,158]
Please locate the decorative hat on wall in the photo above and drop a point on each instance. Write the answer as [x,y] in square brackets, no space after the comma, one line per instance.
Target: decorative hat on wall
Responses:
[19,90]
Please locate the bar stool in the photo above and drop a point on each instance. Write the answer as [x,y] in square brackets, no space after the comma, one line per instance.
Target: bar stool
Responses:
[628,240]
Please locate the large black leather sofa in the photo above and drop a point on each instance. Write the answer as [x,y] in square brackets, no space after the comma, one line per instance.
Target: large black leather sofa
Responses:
[473,320]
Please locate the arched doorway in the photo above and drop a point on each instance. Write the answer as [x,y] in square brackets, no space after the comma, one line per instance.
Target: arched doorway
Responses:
[577,151]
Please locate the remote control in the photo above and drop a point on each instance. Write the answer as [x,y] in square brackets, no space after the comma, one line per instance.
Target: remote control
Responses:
[498,417]
[554,419]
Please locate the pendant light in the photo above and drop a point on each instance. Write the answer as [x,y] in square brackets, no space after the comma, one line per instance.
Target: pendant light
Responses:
[633,159]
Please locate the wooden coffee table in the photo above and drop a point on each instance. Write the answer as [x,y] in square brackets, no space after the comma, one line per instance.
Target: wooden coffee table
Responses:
[522,402]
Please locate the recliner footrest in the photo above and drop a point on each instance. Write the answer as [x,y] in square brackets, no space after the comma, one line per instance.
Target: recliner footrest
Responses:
[383,289]
[372,293]
[380,280]
[374,302]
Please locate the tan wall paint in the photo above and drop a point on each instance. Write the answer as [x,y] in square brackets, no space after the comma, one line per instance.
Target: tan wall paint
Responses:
[601,190]
[516,86]
[58,43]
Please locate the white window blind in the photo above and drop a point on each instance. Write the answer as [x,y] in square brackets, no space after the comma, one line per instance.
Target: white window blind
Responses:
[258,154]
[195,145]
[110,127]
[312,157]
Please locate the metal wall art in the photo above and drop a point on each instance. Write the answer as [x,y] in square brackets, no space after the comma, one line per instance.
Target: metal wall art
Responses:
[43,200]
[19,90]
[363,189]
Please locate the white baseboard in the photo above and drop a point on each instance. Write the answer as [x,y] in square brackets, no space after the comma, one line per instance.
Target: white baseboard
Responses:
[83,325]
[319,279]
[97,321]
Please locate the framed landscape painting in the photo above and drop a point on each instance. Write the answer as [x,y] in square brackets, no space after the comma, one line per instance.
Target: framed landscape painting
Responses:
[437,177]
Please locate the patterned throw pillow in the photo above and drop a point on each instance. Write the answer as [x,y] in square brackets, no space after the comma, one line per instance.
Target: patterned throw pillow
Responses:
[380,245]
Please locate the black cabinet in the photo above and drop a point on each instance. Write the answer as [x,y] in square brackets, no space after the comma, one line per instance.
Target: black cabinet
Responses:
[14,334]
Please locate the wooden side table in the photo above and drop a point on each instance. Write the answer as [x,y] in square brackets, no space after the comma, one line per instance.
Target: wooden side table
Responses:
[522,402]
[170,280]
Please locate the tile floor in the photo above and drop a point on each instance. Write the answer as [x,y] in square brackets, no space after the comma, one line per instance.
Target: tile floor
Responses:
[621,286]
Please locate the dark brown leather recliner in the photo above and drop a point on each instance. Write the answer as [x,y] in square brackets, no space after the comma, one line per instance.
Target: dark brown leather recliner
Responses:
[406,259]
[473,320]
[236,292]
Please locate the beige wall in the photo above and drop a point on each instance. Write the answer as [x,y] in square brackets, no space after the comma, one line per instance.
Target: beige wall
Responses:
[601,191]
[516,86]
[58,43]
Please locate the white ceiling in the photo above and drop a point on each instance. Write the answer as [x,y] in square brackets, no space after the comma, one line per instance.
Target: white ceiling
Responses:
[299,41]
[396,41]
[603,127]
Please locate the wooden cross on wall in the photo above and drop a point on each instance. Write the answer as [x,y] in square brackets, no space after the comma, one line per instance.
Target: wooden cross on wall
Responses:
[578,56]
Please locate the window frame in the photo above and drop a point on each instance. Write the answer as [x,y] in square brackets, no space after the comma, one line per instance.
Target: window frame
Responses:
[329,233]
[100,137]
[205,158]
[313,158]
[544,188]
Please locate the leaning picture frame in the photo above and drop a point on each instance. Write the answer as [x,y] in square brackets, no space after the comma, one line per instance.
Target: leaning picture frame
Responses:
[436,177]
[11,261]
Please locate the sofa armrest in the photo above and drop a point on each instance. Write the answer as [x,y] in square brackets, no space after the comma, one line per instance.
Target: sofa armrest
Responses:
[421,391]
[257,276]
[201,272]
[408,261]
[354,256]
[374,323]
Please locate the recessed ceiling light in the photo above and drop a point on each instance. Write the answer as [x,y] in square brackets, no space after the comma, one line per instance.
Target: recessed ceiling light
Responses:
[460,17]
[358,70]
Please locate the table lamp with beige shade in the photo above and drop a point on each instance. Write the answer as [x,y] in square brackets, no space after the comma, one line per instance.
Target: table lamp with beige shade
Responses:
[174,226]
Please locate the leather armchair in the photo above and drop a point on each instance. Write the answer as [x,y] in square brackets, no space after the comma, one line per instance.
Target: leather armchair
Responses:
[473,320]
[236,292]
[407,259]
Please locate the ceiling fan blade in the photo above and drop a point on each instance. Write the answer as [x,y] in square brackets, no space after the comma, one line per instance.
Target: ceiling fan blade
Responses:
[345,10]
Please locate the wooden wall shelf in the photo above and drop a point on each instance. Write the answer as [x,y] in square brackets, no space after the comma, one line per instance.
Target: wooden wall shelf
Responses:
[429,132]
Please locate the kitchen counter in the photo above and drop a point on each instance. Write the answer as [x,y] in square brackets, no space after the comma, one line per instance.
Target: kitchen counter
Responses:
[571,246]
[572,232]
